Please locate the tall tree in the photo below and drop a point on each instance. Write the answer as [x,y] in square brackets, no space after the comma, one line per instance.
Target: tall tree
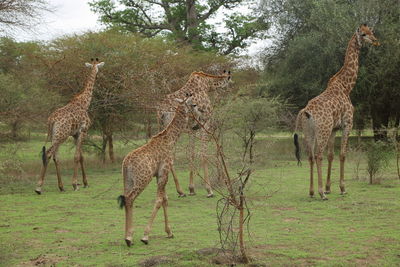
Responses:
[186,21]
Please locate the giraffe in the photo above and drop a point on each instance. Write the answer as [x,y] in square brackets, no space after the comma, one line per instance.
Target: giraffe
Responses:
[155,159]
[69,120]
[199,84]
[325,114]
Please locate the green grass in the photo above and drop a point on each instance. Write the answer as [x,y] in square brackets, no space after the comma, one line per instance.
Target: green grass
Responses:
[85,228]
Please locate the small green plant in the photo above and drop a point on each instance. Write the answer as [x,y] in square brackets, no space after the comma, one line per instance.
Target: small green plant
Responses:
[378,154]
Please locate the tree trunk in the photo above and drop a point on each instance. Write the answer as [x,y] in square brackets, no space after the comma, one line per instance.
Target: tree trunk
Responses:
[111,148]
[241,232]
[14,129]
[192,21]
[103,149]
[251,154]
[148,128]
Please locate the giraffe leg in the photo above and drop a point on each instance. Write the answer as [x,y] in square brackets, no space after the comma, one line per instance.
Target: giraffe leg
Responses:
[38,189]
[162,181]
[191,164]
[81,159]
[311,161]
[204,164]
[157,205]
[210,193]
[85,182]
[128,220]
[57,163]
[318,160]
[77,160]
[331,145]
[343,150]
[178,187]
[167,226]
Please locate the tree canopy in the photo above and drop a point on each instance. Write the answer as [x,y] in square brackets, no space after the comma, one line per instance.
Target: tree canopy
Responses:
[186,21]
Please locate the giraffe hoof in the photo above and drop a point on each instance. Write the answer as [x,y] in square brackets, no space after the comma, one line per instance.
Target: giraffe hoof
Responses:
[128,242]
[75,186]
[192,194]
[145,241]
[182,195]
[61,189]
[210,195]
[38,191]
[324,198]
[327,192]
[86,186]
[343,193]
[170,236]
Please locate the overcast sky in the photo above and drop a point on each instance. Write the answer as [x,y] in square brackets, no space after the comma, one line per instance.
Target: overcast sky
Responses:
[70,16]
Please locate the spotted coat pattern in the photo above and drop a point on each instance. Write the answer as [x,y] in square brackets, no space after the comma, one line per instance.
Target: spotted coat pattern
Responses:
[332,110]
[154,159]
[199,85]
[70,120]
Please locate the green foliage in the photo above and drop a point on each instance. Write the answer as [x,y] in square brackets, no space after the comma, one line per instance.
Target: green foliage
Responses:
[378,156]
[248,114]
[23,99]
[185,21]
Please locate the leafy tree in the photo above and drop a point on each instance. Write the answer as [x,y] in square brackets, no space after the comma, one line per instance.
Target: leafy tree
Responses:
[186,21]
[138,72]
[23,98]
[310,48]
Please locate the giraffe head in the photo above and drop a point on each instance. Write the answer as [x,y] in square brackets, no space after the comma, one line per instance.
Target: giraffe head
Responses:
[191,110]
[95,64]
[220,81]
[365,34]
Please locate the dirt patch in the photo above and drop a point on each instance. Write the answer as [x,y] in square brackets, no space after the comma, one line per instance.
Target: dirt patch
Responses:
[154,261]
[283,208]
[226,259]
[44,260]
[58,231]
[291,219]
[208,251]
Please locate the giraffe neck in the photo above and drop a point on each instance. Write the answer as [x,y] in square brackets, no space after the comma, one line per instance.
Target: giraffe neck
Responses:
[195,84]
[347,75]
[174,129]
[85,97]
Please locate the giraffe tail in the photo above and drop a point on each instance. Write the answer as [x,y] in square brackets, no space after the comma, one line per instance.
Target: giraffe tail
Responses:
[44,158]
[297,148]
[121,201]
[296,138]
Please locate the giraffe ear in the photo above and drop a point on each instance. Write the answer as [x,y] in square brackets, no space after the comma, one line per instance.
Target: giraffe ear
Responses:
[101,64]
[88,65]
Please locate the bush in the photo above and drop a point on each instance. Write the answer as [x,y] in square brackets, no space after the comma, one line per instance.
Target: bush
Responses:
[378,154]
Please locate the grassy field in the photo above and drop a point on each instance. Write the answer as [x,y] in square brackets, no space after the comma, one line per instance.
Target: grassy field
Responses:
[85,228]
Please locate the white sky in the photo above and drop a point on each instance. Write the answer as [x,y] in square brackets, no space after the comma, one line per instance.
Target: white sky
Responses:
[70,16]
